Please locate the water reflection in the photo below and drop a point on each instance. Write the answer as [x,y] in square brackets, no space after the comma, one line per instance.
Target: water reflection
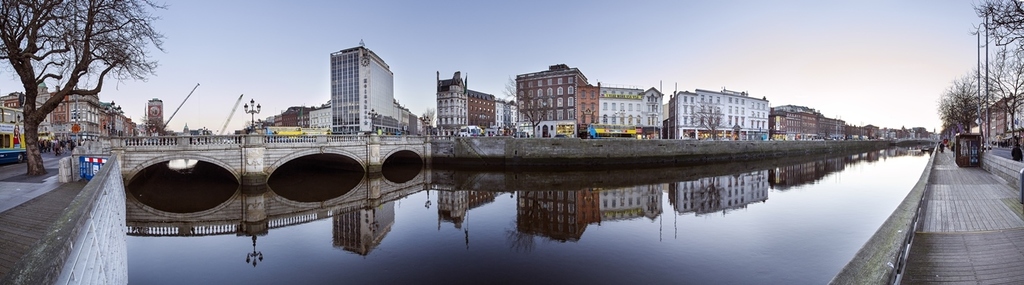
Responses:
[202,187]
[548,206]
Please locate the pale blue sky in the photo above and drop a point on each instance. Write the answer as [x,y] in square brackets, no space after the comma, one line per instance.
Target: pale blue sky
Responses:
[866,62]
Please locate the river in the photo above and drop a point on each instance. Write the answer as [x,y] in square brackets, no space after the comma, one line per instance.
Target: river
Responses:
[785,221]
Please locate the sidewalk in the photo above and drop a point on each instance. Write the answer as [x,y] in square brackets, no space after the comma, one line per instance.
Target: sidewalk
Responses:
[29,205]
[972,231]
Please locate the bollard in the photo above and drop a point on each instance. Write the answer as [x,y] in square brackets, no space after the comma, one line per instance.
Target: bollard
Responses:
[1020,183]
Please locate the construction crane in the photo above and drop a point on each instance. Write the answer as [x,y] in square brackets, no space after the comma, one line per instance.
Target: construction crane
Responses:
[221,132]
[182,104]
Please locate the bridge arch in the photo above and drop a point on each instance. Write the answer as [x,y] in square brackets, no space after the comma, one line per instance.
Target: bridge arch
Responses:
[269,170]
[233,201]
[128,176]
[401,148]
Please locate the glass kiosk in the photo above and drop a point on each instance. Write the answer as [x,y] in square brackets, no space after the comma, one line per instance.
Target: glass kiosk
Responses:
[967,150]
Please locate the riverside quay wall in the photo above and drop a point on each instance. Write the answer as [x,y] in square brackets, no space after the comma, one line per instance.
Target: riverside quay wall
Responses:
[504,151]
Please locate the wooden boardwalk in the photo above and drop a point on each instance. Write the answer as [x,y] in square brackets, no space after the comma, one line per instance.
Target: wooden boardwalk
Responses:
[23,225]
[971,232]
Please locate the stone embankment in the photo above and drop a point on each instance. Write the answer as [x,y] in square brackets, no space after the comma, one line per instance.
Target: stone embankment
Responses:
[498,152]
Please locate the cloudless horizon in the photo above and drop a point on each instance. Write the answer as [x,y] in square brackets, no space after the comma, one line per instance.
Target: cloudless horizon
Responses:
[882,63]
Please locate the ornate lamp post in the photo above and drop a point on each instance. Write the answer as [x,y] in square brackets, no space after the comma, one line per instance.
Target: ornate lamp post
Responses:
[252,108]
[255,256]
[373,120]
[112,111]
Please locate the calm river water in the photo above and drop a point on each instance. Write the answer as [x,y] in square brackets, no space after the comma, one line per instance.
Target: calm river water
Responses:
[787,221]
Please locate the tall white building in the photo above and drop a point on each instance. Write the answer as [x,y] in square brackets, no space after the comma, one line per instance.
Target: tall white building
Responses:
[740,116]
[651,115]
[362,93]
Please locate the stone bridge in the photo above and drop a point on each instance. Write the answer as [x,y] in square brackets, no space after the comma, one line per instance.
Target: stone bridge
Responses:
[252,158]
[255,209]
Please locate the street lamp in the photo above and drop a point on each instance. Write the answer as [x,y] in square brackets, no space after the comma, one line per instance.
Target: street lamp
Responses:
[254,256]
[112,111]
[252,109]
[373,120]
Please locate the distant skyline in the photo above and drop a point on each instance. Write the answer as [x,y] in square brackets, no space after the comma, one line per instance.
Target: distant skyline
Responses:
[883,63]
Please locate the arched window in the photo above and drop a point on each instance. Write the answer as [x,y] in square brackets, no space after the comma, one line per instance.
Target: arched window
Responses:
[559,90]
[540,92]
[549,90]
[604,119]
[571,90]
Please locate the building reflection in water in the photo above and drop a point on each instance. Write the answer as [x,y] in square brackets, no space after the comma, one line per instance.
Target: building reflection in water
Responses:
[718,194]
[363,215]
[362,230]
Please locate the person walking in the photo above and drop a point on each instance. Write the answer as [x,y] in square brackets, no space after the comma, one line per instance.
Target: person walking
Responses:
[1016,152]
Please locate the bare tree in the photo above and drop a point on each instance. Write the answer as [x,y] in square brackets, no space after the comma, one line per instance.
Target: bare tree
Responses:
[534,107]
[958,106]
[1008,81]
[77,44]
[709,116]
[510,89]
[1004,19]
[428,115]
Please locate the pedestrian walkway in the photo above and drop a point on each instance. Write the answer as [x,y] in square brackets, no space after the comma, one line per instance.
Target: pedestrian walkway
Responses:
[972,231]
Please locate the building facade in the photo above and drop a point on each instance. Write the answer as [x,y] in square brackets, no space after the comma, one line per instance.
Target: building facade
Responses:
[362,93]
[621,105]
[588,110]
[480,109]
[452,104]
[547,101]
[320,117]
[725,114]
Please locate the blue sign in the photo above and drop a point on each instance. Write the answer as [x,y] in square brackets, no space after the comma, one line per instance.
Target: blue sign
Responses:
[89,166]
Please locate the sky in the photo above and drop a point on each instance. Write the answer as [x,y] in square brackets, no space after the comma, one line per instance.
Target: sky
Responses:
[884,63]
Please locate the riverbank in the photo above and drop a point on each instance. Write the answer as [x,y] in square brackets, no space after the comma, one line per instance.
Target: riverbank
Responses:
[499,152]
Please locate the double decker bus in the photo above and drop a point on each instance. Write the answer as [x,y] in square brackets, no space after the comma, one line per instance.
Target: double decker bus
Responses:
[12,138]
[612,131]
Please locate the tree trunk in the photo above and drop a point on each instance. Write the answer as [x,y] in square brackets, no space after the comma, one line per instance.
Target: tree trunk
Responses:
[34,157]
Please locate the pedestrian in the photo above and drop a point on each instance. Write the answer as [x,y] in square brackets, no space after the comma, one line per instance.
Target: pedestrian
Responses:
[1016,152]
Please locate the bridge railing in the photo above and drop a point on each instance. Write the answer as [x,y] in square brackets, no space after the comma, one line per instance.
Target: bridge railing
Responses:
[179,140]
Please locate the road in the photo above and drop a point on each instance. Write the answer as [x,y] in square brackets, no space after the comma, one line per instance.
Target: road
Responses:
[15,172]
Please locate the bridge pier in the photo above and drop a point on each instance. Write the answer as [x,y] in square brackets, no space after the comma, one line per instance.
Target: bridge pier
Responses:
[373,163]
[254,210]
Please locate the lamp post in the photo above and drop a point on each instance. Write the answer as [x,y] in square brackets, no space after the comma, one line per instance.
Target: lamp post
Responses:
[252,108]
[255,256]
[373,120]
[112,111]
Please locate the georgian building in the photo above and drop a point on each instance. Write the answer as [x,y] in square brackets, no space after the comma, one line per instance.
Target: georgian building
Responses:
[621,105]
[651,116]
[480,109]
[588,106]
[725,114]
[790,122]
[320,117]
[547,101]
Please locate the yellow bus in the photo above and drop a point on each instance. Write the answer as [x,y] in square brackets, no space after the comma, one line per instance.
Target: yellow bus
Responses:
[613,131]
[12,136]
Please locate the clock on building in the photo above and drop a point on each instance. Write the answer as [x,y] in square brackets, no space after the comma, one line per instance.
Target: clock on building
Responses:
[154,111]
[366,60]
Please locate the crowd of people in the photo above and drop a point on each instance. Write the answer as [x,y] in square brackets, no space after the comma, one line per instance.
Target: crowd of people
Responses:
[58,147]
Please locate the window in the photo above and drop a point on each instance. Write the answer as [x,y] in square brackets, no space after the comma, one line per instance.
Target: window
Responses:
[605,107]
[571,90]
[549,91]
[540,83]
[559,102]
[540,92]
[604,119]
[622,106]
[631,109]
[559,90]
[559,82]
[549,81]
[570,102]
